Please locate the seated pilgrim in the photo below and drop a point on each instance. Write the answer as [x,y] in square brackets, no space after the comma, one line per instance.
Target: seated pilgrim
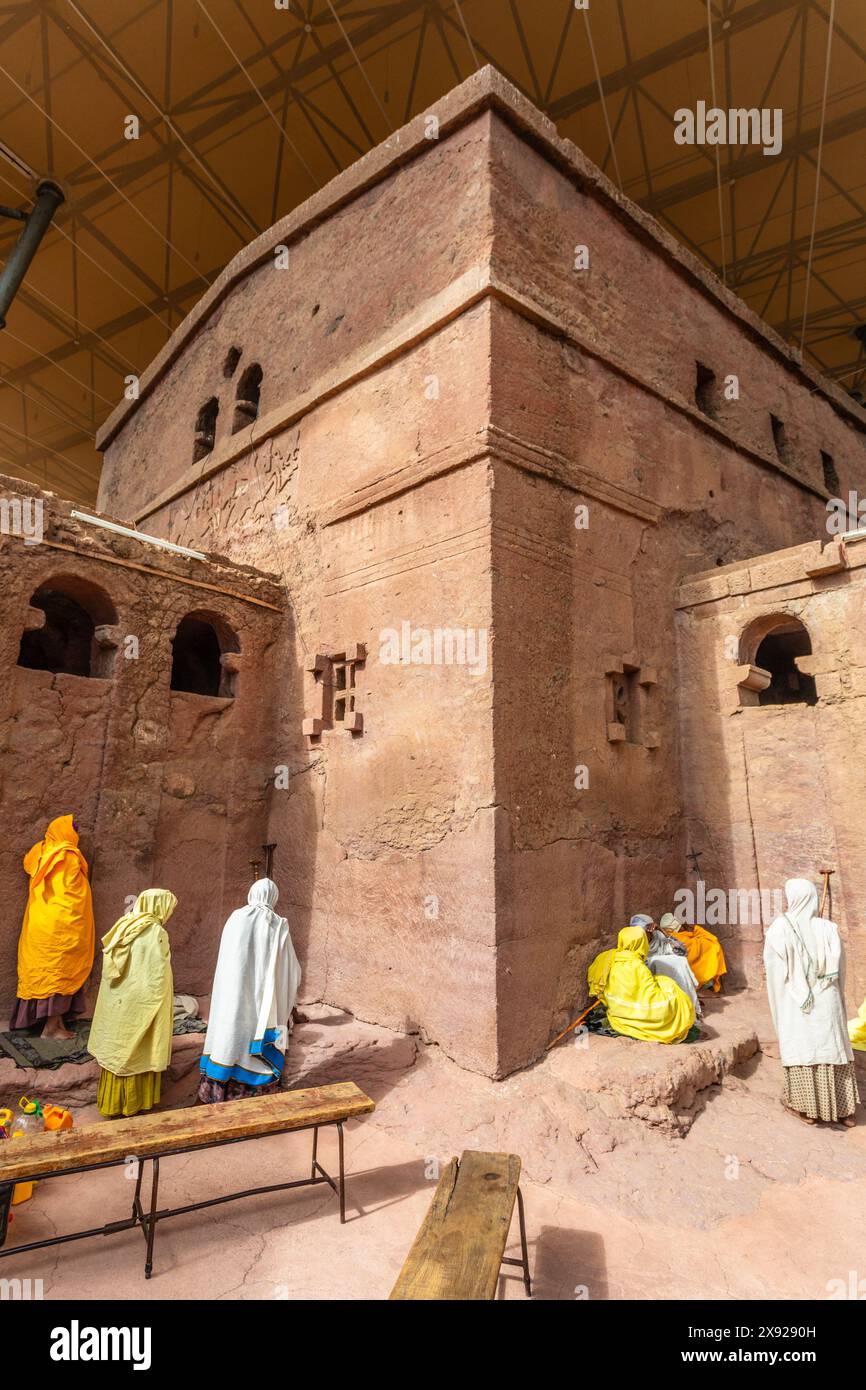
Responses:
[254,990]
[668,957]
[704,951]
[639,1004]
[132,1023]
[57,941]
[857,1029]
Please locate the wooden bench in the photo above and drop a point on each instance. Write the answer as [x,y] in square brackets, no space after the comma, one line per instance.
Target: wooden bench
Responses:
[148,1138]
[460,1248]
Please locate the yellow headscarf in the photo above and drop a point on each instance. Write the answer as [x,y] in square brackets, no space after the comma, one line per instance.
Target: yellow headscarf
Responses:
[132,1021]
[152,907]
[630,939]
[55,949]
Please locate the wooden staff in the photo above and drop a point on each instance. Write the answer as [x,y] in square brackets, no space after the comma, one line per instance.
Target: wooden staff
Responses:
[825,873]
[567,1030]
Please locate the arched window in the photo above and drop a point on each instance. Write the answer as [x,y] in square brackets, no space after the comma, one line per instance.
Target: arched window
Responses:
[74,638]
[774,644]
[204,655]
[205,429]
[247,400]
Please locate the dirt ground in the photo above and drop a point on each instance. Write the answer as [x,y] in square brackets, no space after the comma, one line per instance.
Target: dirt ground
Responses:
[649,1172]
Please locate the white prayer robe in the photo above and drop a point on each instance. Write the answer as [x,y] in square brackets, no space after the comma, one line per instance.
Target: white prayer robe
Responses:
[254,991]
[804,960]
[667,957]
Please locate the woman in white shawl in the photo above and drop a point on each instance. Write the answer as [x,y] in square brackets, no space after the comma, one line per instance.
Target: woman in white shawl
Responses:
[254,990]
[804,962]
[668,957]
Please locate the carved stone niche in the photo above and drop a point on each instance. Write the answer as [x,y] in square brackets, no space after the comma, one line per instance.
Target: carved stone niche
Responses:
[34,619]
[107,635]
[629,701]
[333,692]
[751,680]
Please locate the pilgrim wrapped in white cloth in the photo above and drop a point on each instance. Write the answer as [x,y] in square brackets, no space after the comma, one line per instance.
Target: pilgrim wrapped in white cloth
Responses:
[254,991]
[804,960]
[666,956]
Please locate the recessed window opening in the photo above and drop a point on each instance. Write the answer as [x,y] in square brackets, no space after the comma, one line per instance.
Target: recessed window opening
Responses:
[198,647]
[705,389]
[831,477]
[780,439]
[66,643]
[233,357]
[205,429]
[247,401]
[777,654]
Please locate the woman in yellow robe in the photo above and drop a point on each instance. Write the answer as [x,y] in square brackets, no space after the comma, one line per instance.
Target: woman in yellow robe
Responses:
[56,945]
[132,1022]
[704,951]
[639,1004]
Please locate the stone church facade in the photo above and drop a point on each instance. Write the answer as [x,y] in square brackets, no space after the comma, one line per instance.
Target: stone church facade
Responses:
[499,454]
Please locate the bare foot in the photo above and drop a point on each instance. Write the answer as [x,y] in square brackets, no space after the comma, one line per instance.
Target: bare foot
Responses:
[56,1030]
[798,1115]
[849,1121]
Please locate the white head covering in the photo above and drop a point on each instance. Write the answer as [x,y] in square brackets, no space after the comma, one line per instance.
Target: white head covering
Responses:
[254,991]
[641,919]
[812,944]
[264,893]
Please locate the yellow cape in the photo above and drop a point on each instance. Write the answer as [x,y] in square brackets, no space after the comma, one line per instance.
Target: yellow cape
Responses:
[705,955]
[132,1021]
[57,941]
[639,1004]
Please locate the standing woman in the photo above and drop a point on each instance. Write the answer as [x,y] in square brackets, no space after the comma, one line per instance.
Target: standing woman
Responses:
[132,1022]
[804,961]
[57,941]
[254,991]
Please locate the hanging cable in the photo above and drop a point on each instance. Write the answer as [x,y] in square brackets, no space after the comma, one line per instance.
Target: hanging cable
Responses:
[137,210]
[610,142]
[718,160]
[363,70]
[283,132]
[830,24]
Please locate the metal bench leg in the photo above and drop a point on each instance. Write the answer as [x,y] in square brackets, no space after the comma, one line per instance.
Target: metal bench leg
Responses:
[151,1220]
[6,1190]
[315,1150]
[527,1283]
[342,1176]
[136,1200]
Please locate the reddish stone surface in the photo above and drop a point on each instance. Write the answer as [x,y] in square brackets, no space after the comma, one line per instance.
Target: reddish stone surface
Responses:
[775,791]
[168,788]
[441,390]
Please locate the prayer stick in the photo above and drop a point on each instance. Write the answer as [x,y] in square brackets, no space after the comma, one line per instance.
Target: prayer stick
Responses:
[826,876]
[572,1025]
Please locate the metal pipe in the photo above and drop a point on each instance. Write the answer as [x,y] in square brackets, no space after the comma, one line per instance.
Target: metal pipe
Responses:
[49,196]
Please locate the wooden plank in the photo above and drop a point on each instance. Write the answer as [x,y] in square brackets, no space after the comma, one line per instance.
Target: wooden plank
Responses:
[457,1253]
[161,1132]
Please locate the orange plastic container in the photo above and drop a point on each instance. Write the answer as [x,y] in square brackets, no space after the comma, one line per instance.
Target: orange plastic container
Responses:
[56,1117]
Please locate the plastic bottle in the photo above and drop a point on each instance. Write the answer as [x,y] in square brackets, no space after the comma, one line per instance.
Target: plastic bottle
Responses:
[27,1121]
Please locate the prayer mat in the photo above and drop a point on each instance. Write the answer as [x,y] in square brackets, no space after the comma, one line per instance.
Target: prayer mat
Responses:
[28,1049]
[596,1022]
